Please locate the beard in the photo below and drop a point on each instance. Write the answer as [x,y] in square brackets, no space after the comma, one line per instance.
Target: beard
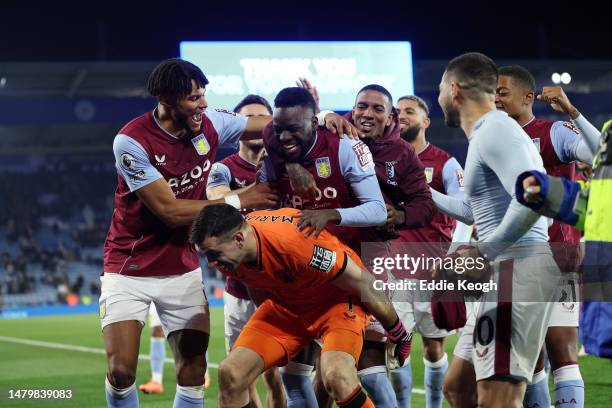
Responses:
[411,133]
[254,145]
[452,118]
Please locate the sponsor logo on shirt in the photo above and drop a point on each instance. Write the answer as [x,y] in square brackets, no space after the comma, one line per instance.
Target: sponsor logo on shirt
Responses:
[323,167]
[201,144]
[138,176]
[363,155]
[390,168]
[323,259]
[536,142]
[241,183]
[460,178]
[429,174]
[226,111]
[571,127]
[161,160]
[127,161]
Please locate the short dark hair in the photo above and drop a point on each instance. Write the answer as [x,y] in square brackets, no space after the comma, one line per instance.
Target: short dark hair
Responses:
[214,220]
[422,104]
[378,88]
[172,79]
[294,96]
[253,100]
[475,72]
[519,74]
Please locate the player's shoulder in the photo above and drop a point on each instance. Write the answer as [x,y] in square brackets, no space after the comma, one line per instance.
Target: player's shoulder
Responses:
[137,127]
[437,153]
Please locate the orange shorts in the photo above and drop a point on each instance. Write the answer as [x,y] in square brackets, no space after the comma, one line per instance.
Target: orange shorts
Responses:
[277,334]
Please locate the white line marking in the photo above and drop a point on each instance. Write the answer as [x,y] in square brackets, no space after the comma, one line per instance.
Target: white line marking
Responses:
[72,347]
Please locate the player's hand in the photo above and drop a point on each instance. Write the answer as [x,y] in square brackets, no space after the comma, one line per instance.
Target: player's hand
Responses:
[316,220]
[532,190]
[394,216]
[261,195]
[402,340]
[305,83]
[302,182]
[558,100]
[339,125]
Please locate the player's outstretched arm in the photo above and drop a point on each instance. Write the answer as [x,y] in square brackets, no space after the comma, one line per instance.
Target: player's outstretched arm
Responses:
[360,282]
[159,198]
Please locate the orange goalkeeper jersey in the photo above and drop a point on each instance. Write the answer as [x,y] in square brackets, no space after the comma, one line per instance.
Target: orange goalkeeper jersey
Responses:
[296,270]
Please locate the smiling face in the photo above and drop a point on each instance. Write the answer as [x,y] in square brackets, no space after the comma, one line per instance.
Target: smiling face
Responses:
[186,112]
[512,97]
[412,119]
[295,128]
[372,113]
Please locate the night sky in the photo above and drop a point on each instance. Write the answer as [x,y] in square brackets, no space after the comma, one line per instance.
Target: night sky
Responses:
[151,31]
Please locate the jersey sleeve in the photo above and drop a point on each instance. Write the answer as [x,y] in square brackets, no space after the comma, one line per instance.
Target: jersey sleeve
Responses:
[229,126]
[359,173]
[219,175]
[568,144]
[589,132]
[452,177]
[132,163]
[355,158]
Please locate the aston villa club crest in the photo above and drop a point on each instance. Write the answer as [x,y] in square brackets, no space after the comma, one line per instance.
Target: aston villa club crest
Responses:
[429,174]
[323,167]
[201,144]
[536,142]
[390,166]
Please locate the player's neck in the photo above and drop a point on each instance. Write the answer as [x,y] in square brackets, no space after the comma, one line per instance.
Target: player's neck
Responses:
[164,120]
[250,155]
[419,143]
[472,114]
[524,118]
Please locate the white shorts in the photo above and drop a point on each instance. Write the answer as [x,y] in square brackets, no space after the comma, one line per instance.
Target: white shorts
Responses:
[464,348]
[566,309]
[237,313]
[375,332]
[179,299]
[153,316]
[416,314]
[508,335]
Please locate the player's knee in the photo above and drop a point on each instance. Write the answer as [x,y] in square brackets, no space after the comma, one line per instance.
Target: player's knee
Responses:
[121,376]
[230,378]
[433,350]
[338,380]
[191,372]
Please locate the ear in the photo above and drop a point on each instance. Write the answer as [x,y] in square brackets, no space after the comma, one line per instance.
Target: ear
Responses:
[239,237]
[426,122]
[389,119]
[529,98]
[455,90]
[164,101]
[314,122]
